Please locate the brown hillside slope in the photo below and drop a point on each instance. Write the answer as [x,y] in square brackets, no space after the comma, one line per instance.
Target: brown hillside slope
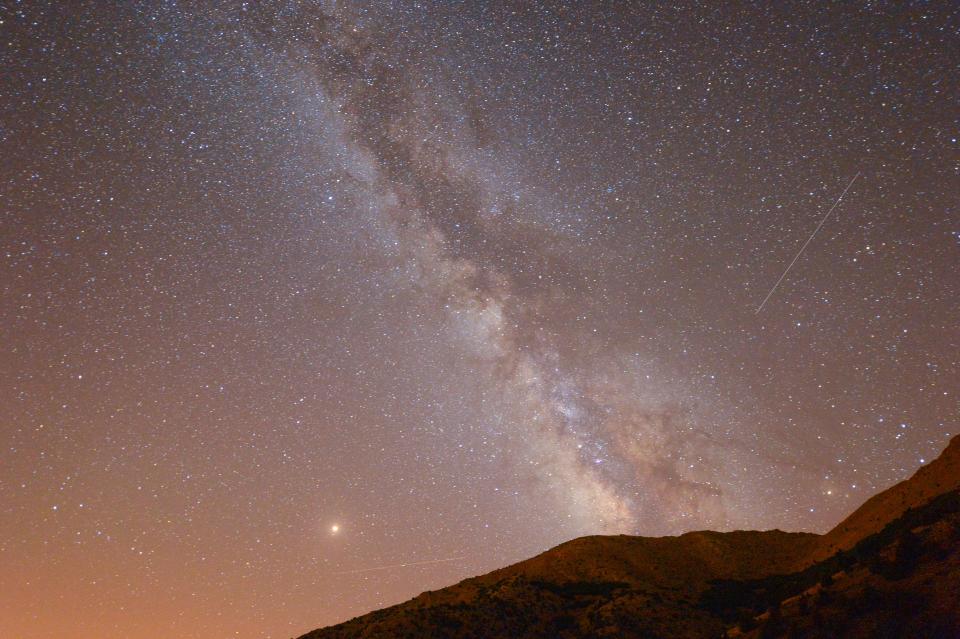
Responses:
[616,586]
[685,560]
[623,586]
[937,477]
[903,582]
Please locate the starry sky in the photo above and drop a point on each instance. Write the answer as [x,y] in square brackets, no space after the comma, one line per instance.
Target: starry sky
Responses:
[307,307]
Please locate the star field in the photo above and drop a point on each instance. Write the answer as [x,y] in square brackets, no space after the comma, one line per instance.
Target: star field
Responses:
[308,307]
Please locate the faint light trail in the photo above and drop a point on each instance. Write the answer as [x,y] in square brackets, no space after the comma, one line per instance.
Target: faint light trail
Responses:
[404,565]
[805,244]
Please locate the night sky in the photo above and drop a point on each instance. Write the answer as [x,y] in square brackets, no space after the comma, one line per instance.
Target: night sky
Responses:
[307,307]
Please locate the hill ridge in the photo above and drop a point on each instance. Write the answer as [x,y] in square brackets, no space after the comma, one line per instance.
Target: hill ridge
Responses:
[626,585]
[937,477]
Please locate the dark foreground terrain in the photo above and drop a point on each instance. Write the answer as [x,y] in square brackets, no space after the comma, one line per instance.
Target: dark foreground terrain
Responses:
[891,569]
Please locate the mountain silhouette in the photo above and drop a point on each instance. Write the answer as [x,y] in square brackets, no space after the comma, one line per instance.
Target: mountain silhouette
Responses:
[890,569]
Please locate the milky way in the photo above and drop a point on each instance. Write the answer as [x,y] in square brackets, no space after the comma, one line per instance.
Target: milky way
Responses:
[309,307]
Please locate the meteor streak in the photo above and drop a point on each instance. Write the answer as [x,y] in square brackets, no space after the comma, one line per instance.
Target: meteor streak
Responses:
[805,244]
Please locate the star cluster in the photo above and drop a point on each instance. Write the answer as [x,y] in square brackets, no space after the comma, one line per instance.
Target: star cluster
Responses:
[307,307]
